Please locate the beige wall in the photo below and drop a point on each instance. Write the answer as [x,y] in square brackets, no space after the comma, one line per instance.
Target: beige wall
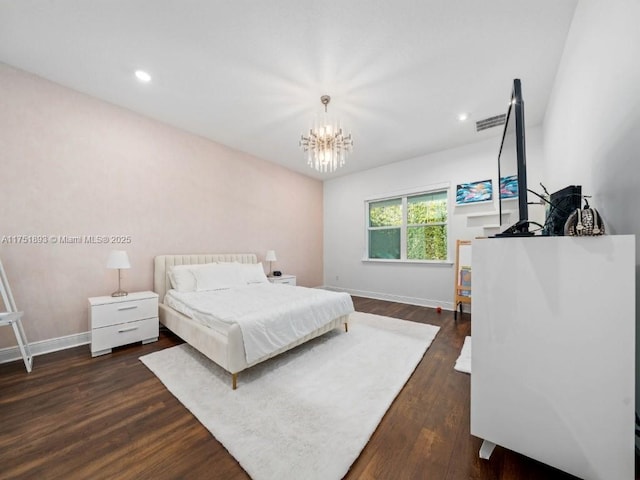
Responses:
[74,165]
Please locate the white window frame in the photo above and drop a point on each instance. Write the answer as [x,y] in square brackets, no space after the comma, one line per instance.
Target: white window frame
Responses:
[403,195]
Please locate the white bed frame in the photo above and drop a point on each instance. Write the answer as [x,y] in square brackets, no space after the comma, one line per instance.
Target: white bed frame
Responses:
[225,350]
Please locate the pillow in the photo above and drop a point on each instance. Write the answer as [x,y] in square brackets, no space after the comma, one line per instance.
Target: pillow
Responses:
[182,277]
[218,277]
[253,273]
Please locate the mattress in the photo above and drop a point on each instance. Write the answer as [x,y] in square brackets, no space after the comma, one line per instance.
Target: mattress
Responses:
[181,302]
[270,316]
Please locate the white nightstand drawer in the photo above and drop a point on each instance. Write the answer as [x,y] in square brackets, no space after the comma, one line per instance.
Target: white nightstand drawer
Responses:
[284,280]
[121,312]
[106,338]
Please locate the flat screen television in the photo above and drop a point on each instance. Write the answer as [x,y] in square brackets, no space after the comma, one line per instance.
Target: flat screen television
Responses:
[512,167]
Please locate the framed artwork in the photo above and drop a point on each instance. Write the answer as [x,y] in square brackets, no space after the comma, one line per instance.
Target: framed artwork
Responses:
[474,192]
[509,187]
[465,280]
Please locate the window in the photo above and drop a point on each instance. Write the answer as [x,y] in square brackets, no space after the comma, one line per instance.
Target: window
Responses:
[385,223]
[409,227]
[427,226]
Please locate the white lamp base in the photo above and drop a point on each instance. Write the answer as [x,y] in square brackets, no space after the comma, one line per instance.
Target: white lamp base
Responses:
[119,292]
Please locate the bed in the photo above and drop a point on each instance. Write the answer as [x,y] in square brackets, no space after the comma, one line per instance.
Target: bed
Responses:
[224,342]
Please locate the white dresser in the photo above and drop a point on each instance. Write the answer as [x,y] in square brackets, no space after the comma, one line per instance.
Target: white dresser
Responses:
[553,328]
[116,321]
[284,279]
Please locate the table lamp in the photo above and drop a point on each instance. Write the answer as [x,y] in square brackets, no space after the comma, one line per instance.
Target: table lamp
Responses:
[270,257]
[118,259]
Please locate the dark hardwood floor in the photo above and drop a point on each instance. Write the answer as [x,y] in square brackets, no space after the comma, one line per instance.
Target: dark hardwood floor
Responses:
[77,417]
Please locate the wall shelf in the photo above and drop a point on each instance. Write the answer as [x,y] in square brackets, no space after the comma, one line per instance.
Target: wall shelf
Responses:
[487,220]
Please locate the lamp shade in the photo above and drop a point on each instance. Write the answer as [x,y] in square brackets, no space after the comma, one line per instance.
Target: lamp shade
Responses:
[118,259]
[271,256]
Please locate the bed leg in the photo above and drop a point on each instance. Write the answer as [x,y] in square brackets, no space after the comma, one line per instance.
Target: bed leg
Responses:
[346,327]
[234,380]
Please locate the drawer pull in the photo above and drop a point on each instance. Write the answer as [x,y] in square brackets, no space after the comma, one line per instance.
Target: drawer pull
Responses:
[127,329]
[131,307]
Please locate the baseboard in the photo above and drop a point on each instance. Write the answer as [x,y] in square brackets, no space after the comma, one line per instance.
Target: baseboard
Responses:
[11,354]
[421,302]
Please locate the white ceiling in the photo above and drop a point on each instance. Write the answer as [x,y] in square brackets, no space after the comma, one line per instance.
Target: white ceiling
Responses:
[249,74]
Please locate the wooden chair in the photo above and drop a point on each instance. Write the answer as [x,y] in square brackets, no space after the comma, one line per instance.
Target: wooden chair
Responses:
[462,291]
[14,318]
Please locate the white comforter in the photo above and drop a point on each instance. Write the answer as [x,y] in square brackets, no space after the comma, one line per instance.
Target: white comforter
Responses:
[270,316]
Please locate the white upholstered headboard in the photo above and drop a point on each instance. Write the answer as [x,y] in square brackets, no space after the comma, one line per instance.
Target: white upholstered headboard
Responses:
[163,262]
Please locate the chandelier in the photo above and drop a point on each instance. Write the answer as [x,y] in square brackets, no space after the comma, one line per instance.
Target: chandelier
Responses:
[326,146]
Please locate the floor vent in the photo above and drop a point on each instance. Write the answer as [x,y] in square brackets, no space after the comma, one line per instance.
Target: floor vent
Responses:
[490,122]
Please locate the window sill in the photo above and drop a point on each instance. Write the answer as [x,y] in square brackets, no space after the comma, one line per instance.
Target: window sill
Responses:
[435,263]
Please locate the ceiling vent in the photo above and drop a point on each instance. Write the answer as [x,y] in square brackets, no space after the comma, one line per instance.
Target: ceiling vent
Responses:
[490,122]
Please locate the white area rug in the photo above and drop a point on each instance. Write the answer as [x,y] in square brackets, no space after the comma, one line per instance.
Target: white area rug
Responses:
[463,363]
[307,413]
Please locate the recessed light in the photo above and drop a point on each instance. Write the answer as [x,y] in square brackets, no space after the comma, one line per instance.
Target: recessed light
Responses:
[143,76]
[462,117]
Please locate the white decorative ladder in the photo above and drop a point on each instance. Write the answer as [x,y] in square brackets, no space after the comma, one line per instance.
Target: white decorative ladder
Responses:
[14,318]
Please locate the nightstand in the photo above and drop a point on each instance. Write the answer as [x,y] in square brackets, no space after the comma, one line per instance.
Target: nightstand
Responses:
[116,321]
[284,279]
